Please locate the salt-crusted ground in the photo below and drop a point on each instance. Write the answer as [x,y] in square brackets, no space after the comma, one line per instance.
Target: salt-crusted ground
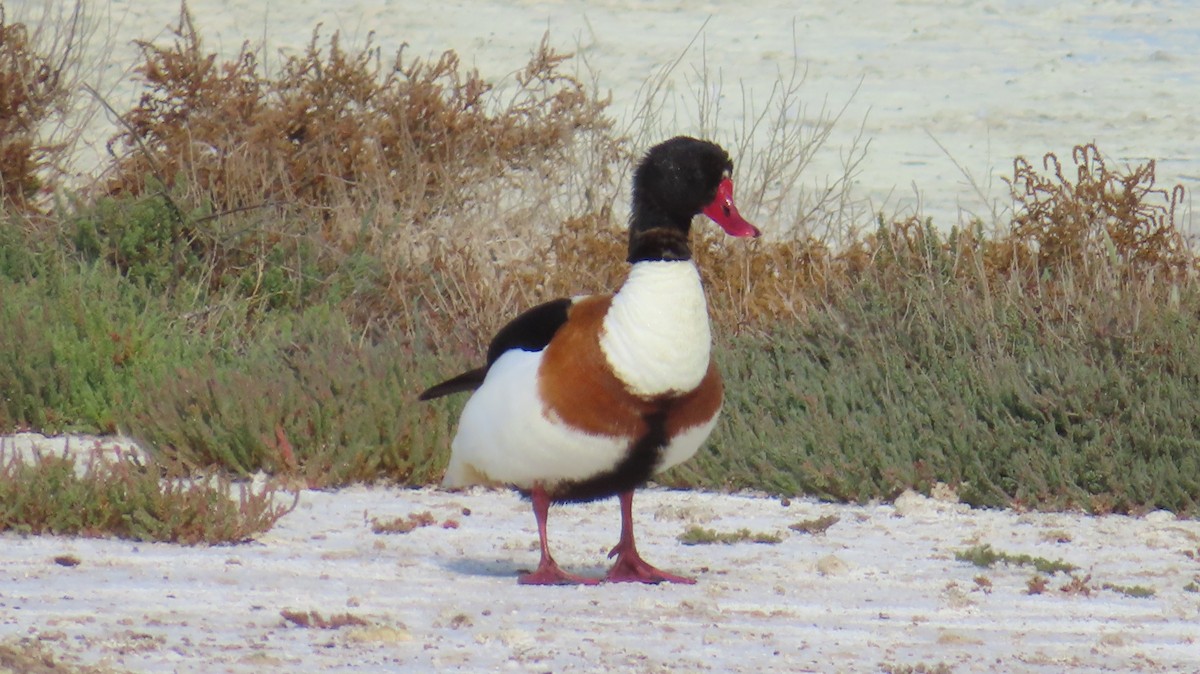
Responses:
[881,587]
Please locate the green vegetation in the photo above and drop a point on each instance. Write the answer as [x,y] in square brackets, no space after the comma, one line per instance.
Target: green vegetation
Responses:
[1016,393]
[817,525]
[1135,591]
[127,500]
[697,535]
[985,556]
[276,263]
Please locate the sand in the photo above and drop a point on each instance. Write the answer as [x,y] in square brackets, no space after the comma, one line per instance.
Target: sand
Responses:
[879,588]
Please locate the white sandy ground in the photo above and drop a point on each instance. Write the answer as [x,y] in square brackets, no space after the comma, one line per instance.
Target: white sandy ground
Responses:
[986,79]
[881,588]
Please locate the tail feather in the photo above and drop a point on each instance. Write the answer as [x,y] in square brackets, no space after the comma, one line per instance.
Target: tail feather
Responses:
[467,381]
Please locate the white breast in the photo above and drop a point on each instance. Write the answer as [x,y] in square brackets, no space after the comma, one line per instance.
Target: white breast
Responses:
[656,336]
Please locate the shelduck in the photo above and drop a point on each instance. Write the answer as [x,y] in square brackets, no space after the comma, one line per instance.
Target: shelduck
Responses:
[582,398]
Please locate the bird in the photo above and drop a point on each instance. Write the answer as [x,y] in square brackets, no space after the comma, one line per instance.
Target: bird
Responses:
[587,397]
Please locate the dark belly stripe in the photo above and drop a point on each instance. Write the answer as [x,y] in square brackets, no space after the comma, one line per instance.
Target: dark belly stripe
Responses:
[633,471]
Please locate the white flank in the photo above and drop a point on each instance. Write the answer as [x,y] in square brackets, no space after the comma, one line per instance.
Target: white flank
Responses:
[656,335]
[685,444]
[505,437]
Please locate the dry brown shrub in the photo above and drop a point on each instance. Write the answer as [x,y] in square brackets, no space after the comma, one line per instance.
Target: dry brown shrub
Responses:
[1105,231]
[591,247]
[441,180]
[338,128]
[1097,214]
[314,620]
[758,284]
[35,655]
[403,525]
[475,206]
[31,90]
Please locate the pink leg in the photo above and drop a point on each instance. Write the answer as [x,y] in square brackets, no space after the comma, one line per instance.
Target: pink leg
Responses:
[630,567]
[548,572]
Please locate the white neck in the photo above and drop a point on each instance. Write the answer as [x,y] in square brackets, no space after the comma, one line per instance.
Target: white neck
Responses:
[656,335]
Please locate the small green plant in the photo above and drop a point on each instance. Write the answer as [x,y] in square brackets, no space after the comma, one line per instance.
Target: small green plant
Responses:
[1057,536]
[697,535]
[985,556]
[1192,586]
[818,525]
[148,239]
[1136,591]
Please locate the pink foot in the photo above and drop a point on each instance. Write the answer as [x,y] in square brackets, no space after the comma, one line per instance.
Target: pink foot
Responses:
[549,573]
[631,568]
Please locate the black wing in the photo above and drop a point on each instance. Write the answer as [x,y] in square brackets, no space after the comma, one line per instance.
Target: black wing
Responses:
[531,331]
[467,381]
